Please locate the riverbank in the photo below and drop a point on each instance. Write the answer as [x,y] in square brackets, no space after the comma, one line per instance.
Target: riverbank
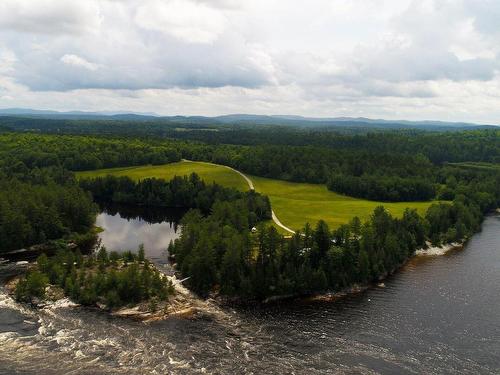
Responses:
[85,242]
[440,250]
[356,289]
[330,296]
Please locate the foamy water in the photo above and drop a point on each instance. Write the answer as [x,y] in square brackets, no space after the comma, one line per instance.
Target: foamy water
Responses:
[438,315]
[438,250]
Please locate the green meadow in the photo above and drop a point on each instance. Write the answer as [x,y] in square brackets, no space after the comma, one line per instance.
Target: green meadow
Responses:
[294,203]
[208,172]
[298,203]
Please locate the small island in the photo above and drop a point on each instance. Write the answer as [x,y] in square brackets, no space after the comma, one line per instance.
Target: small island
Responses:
[124,284]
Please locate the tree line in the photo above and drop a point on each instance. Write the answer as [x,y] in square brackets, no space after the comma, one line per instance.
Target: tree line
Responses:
[78,153]
[185,192]
[383,188]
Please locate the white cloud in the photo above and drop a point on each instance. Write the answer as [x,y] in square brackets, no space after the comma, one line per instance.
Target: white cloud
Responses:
[49,16]
[193,22]
[389,58]
[7,61]
[78,61]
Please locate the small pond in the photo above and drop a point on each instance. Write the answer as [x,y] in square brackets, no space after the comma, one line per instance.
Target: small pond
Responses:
[125,228]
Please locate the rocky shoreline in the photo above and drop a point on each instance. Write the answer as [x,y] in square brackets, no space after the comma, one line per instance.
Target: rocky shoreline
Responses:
[329,296]
[440,250]
[182,305]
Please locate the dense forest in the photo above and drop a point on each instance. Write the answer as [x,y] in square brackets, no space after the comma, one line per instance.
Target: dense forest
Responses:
[80,153]
[438,146]
[114,279]
[42,201]
[37,207]
[383,188]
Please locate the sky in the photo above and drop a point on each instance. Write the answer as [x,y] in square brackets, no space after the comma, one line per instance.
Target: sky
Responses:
[392,59]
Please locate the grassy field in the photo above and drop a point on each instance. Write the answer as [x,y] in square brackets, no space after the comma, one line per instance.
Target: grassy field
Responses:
[294,203]
[208,172]
[298,203]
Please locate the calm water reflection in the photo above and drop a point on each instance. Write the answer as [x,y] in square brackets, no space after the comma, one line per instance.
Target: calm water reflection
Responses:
[125,228]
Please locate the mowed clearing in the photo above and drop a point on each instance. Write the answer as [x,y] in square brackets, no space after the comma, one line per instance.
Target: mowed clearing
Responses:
[207,171]
[298,203]
[294,203]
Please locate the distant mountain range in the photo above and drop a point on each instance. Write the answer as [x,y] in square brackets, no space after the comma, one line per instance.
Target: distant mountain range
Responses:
[49,113]
[242,119]
[342,121]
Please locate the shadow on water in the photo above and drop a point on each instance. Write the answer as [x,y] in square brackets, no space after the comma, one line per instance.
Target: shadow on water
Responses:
[150,215]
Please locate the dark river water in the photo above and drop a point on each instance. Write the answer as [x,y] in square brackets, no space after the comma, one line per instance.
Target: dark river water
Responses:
[438,315]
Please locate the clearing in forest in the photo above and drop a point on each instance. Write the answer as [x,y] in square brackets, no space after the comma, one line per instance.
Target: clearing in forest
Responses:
[207,172]
[294,203]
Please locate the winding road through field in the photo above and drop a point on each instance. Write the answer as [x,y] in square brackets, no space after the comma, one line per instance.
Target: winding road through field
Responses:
[251,187]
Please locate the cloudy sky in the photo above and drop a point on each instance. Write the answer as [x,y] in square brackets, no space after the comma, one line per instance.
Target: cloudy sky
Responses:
[393,59]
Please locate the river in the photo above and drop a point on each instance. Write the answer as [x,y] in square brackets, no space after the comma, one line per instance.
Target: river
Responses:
[437,315]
